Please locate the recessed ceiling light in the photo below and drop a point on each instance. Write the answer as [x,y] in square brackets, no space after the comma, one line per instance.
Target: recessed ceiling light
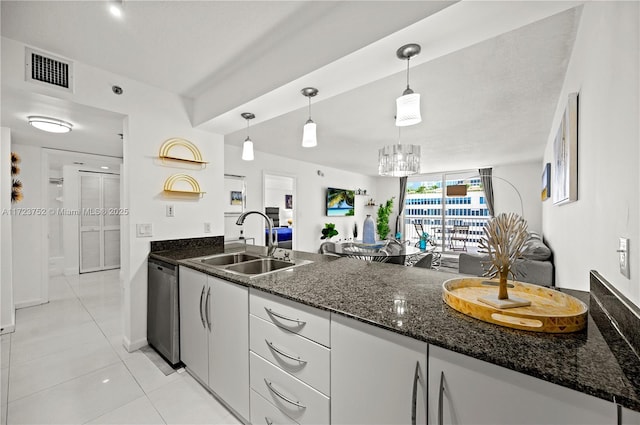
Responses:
[104,167]
[116,9]
[52,125]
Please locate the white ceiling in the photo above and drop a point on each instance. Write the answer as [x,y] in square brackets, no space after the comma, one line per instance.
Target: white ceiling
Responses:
[490,73]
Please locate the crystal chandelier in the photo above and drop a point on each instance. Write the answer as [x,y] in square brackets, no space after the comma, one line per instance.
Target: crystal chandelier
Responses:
[399,160]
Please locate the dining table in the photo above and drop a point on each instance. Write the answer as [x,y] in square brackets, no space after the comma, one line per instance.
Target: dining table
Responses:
[379,251]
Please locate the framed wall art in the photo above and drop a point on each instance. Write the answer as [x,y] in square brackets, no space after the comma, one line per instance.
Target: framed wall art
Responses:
[235,189]
[565,155]
[546,182]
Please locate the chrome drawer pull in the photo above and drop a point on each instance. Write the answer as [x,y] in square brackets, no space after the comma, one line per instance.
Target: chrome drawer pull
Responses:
[282,353]
[288,400]
[206,307]
[300,322]
[414,398]
[201,315]
[441,400]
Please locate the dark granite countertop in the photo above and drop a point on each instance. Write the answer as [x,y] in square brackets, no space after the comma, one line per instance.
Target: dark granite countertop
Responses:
[595,361]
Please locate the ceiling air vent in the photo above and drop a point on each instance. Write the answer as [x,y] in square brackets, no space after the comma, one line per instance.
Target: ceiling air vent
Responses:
[48,69]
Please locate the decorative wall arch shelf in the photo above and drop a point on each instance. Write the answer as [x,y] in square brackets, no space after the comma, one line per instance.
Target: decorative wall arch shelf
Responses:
[170,185]
[165,152]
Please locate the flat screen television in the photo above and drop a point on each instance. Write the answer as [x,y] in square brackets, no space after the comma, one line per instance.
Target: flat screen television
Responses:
[340,202]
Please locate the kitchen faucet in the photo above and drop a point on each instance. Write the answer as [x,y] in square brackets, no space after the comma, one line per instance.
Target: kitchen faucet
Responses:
[272,244]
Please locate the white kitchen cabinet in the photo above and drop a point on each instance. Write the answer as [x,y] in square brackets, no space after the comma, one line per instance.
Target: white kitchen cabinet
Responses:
[377,376]
[229,344]
[214,336]
[464,390]
[194,351]
[263,412]
[629,417]
[289,360]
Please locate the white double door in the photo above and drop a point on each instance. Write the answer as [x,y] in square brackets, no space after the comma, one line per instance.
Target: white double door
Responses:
[99,221]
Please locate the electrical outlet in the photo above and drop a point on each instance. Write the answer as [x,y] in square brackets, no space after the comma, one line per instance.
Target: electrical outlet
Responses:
[207,227]
[170,211]
[623,257]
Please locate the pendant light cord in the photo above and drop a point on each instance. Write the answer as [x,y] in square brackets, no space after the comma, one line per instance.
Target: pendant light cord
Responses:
[309,107]
[408,59]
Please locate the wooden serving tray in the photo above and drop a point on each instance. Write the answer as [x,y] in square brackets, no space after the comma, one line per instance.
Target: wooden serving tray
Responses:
[550,311]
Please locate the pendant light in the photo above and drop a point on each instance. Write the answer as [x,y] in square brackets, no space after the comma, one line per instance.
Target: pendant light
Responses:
[399,160]
[408,105]
[309,138]
[247,146]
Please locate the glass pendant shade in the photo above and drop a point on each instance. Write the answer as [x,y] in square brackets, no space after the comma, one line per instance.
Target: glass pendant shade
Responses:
[399,160]
[247,150]
[309,139]
[408,110]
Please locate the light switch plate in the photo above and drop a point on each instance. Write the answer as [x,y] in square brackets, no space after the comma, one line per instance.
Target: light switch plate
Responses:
[144,230]
[623,257]
[207,227]
[170,211]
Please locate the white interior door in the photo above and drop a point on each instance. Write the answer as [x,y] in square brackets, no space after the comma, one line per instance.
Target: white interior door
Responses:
[99,221]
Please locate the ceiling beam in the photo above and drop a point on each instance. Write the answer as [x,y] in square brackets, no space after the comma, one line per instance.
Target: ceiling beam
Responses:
[454,28]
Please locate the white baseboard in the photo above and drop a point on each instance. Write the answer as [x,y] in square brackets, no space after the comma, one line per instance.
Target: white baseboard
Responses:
[30,303]
[71,271]
[133,346]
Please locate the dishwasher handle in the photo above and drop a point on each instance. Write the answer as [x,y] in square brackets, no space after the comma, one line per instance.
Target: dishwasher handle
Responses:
[163,266]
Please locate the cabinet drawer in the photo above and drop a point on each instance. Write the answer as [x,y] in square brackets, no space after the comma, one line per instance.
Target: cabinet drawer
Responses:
[263,412]
[307,321]
[290,395]
[306,360]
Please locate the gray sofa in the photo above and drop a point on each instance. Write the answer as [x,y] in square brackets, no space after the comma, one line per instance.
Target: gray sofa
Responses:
[536,266]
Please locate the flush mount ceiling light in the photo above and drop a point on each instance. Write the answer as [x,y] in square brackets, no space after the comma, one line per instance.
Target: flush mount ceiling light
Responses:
[399,160]
[52,125]
[408,105]
[247,146]
[309,139]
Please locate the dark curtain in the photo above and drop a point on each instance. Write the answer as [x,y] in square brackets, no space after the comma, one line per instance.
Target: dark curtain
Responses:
[487,184]
[403,192]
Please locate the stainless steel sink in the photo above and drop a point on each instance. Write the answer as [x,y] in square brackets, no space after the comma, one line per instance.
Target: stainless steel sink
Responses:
[249,264]
[264,265]
[226,259]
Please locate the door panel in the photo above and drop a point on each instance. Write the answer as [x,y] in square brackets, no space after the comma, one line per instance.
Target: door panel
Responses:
[99,221]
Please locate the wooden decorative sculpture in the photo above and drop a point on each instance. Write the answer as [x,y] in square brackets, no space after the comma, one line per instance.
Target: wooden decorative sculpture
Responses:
[504,240]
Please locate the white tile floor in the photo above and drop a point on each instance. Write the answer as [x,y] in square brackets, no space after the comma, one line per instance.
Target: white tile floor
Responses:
[65,364]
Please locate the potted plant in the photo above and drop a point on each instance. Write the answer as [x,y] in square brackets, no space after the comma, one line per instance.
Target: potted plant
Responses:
[329,231]
[382,224]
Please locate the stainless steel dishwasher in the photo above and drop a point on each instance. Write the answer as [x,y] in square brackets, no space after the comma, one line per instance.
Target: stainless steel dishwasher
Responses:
[163,317]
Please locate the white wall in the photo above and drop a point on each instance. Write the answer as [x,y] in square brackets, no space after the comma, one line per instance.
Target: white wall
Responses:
[54,221]
[309,201]
[7,310]
[604,69]
[153,116]
[27,230]
[527,178]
